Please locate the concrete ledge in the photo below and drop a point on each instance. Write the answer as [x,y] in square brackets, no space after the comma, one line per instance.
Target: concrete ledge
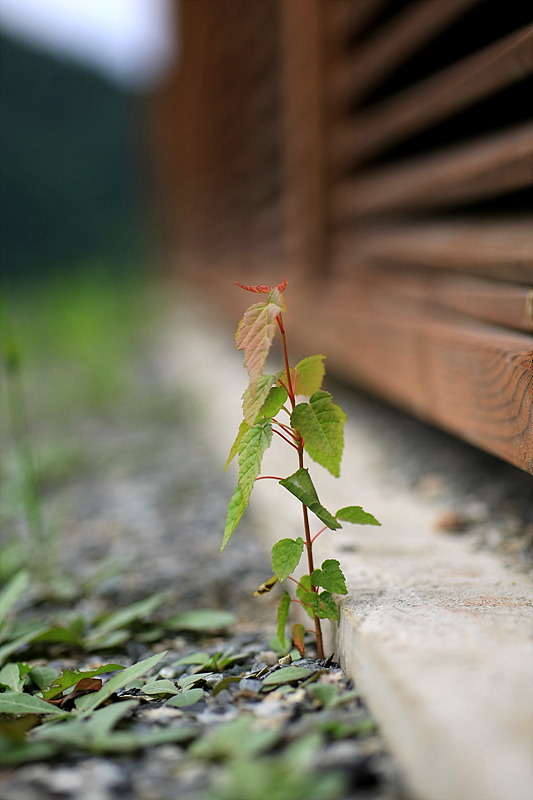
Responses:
[438,638]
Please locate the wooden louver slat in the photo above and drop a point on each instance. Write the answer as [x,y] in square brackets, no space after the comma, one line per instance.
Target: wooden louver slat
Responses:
[433,99]
[494,248]
[357,73]
[344,19]
[482,168]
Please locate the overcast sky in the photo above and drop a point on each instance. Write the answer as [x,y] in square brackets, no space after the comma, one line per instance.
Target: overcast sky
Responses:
[131,41]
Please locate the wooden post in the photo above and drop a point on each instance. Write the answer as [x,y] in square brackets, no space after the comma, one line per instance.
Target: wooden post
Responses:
[302,134]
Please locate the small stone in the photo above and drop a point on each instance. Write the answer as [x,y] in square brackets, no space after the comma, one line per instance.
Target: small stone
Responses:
[167,673]
[283,662]
[250,685]
[268,657]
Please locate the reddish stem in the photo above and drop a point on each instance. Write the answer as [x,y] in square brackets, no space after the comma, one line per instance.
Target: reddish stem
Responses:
[318,534]
[285,438]
[300,447]
[272,477]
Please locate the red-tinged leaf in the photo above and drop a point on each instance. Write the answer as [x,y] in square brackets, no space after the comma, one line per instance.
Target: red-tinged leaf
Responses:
[256,331]
[262,288]
[298,633]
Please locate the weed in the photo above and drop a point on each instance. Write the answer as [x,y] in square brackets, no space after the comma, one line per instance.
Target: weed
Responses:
[314,427]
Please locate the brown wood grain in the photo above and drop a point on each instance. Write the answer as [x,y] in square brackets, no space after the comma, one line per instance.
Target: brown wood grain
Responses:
[485,167]
[344,19]
[506,304]
[473,379]
[494,248]
[354,74]
[432,99]
[303,132]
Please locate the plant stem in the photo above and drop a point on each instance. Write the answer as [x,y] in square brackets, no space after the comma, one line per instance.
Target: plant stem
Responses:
[300,448]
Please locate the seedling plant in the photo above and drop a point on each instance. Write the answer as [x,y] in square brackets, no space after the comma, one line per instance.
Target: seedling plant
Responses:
[313,427]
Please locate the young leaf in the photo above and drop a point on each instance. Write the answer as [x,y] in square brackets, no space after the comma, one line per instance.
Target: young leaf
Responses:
[283,612]
[12,592]
[91,701]
[254,397]
[251,450]
[187,698]
[330,577]
[286,556]
[303,590]
[298,633]
[256,331]
[201,619]
[236,508]
[127,615]
[286,675]
[22,703]
[10,677]
[71,678]
[318,423]
[331,463]
[267,586]
[301,486]
[276,398]
[243,428]
[356,516]
[327,607]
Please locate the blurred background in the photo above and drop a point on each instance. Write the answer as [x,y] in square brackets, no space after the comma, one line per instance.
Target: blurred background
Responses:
[77,181]
[376,153]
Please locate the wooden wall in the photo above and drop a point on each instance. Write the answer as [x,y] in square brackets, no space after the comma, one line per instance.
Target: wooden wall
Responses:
[378,154]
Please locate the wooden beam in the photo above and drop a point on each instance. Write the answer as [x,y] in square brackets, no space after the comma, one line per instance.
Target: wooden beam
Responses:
[353,75]
[472,379]
[493,248]
[303,151]
[344,19]
[506,304]
[483,168]
[431,100]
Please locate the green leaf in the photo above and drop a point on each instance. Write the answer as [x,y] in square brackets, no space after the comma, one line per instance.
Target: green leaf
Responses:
[331,463]
[59,635]
[10,677]
[125,616]
[243,428]
[43,676]
[255,396]
[192,658]
[275,400]
[15,644]
[283,612]
[286,675]
[22,703]
[286,556]
[356,516]
[201,619]
[160,687]
[330,577]
[318,423]
[251,450]
[303,590]
[326,607]
[186,681]
[301,486]
[72,677]
[256,331]
[237,506]
[88,703]
[12,592]
[322,604]
[309,375]
[187,698]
